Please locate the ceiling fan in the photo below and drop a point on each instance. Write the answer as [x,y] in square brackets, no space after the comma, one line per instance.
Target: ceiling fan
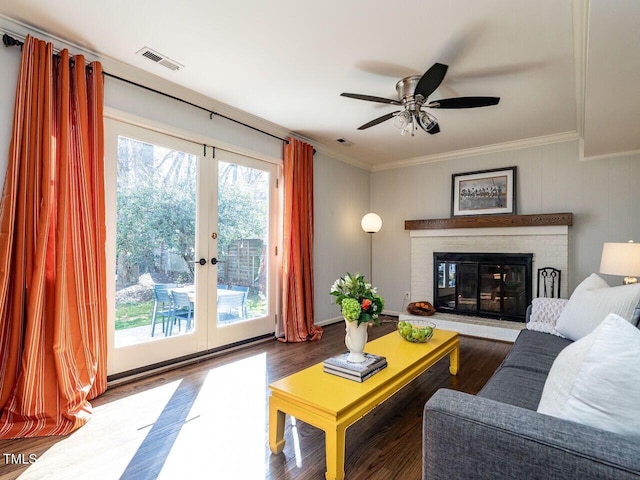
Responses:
[413,92]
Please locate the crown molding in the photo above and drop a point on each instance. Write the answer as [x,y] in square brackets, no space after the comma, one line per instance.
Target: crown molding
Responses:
[471,152]
[603,156]
[329,152]
[19,30]
[608,156]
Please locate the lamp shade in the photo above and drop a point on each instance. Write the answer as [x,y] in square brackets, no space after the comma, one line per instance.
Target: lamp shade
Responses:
[621,259]
[371,223]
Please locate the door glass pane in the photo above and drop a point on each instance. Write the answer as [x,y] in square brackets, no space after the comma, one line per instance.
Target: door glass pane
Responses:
[155,242]
[243,227]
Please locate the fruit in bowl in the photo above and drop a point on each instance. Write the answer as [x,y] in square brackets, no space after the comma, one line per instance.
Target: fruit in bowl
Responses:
[416,331]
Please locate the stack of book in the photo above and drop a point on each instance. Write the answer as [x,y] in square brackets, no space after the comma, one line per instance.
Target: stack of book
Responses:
[357,372]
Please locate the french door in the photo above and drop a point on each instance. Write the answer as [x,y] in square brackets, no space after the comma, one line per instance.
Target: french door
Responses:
[192,243]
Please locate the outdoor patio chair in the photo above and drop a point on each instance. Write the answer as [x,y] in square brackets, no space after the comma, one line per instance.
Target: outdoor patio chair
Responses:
[245,290]
[182,309]
[228,303]
[162,304]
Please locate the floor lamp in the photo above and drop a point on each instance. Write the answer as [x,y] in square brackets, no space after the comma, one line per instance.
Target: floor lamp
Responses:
[371,223]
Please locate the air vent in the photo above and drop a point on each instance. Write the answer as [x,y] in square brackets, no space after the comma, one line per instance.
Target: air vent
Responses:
[159,58]
[152,56]
[344,141]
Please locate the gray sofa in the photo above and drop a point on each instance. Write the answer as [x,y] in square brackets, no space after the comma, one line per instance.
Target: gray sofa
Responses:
[498,434]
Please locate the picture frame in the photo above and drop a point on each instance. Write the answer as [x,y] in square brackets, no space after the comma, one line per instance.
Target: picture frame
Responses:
[485,192]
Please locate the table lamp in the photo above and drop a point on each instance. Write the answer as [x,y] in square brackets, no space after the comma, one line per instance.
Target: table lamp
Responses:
[621,259]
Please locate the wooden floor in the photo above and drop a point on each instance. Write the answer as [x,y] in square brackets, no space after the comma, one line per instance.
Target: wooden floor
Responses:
[209,421]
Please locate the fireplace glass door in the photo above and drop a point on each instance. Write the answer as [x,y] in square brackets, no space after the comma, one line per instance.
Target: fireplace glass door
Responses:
[514,290]
[491,284]
[490,288]
[447,284]
[467,282]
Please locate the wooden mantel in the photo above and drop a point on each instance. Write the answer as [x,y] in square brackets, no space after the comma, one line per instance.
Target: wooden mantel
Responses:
[485,221]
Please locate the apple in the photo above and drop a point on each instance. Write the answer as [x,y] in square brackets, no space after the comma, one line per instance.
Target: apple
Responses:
[405,331]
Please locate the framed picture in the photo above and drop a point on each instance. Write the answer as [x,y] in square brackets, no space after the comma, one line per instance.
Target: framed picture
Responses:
[486,192]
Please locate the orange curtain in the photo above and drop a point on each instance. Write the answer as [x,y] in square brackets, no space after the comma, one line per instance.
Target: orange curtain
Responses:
[52,248]
[297,262]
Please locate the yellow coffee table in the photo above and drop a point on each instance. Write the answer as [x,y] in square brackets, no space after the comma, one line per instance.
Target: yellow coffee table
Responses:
[332,403]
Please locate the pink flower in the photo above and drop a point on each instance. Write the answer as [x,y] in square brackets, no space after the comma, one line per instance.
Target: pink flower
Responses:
[366,303]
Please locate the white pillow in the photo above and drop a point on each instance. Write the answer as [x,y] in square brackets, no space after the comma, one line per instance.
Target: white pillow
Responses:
[596,380]
[593,300]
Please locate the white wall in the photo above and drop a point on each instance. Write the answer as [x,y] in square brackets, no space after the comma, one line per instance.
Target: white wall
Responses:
[152,106]
[9,65]
[341,200]
[603,196]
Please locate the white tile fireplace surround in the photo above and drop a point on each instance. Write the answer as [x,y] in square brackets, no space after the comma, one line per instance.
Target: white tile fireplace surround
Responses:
[548,244]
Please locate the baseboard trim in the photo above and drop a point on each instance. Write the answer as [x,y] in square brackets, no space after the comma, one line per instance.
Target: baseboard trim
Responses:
[156,368]
[331,321]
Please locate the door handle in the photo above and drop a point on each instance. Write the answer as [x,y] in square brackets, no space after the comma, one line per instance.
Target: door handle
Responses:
[214,260]
[202,261]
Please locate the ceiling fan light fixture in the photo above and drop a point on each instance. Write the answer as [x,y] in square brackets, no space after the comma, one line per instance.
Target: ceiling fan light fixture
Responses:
[427,121]
[404,122]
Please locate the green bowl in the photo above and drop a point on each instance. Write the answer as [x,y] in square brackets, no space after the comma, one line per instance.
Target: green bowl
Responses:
[416,331]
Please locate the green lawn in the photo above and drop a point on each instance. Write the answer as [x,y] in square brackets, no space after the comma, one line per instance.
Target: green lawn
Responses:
[129,315]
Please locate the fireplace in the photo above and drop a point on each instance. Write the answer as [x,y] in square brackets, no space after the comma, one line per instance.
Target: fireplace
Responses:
[495,285]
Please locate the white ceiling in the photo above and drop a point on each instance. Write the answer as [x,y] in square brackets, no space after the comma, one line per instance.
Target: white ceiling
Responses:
[287,62]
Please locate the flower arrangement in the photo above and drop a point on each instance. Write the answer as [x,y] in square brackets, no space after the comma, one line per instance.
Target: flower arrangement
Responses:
[358,300]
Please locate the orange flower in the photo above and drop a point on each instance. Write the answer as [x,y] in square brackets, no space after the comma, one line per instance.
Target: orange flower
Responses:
[366,303]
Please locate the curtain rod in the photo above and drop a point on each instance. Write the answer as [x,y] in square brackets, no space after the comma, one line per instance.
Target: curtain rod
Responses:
[9,41]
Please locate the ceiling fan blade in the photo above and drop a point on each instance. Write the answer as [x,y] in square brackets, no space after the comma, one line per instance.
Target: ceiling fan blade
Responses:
[435,129]
[464,102]
[431,80]
[370,98]
[378,120]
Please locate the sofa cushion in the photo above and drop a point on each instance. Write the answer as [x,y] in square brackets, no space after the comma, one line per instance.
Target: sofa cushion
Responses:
[596,380]
[515,386]
[592,301]
[535,351]
[520,379]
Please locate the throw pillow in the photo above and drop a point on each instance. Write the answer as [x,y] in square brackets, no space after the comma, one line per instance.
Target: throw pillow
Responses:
[596,380]
[545,313]
[593,300]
